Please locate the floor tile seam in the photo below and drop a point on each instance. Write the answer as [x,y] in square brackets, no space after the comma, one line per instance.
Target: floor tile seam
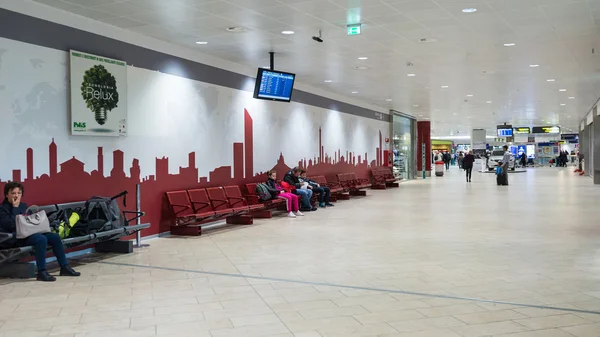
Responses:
[251,285]
[381,290]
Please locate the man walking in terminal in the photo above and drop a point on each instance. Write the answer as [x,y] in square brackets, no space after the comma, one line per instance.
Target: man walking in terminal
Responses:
[505,164]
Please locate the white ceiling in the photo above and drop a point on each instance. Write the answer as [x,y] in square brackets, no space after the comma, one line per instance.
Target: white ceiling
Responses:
[468,54]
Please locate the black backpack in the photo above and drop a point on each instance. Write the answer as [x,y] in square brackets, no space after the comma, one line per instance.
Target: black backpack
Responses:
[100,214]
[263,192]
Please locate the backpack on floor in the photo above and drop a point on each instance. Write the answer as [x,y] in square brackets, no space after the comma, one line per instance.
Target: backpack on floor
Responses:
[100,214]
[263,192]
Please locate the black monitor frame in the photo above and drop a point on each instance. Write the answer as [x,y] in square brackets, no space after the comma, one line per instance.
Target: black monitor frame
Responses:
[257,85]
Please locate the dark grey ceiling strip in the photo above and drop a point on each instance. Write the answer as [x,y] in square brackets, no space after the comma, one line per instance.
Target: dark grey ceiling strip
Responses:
[28,29]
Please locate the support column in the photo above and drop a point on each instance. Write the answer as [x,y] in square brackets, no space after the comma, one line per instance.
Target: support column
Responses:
[595,128]
[583,142]
[478,145]
[423,159]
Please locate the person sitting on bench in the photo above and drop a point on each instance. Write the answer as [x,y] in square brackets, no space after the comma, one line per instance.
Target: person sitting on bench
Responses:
[9,209]
[278,192]
[305,193]
[323,191]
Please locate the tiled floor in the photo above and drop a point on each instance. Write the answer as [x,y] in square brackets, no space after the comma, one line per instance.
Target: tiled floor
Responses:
[535,243]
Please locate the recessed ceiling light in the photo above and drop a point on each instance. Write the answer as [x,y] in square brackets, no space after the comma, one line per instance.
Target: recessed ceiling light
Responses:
[562,104]
[420,115]
[355,92]
[534,65]
[571,97]
[469,95]
[411,75]
[389,99]
[489,102]
[509,44]
[444,86]
[201,42]
[562,89]
[469,10]
[328,81]
[287,32]
[363,58]
[415,105]
[550,80]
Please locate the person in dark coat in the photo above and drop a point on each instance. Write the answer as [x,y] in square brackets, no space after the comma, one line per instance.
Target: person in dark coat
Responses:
[467,164]
[292,178]
[11,207]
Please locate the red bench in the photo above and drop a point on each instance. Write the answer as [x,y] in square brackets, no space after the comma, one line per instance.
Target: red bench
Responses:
[236,199]
[194,207]
[253,198]
[188,213]
[383,177]
[337,191]
[352,184]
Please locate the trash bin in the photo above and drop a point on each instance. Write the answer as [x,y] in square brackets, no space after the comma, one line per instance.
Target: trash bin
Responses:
[439,168]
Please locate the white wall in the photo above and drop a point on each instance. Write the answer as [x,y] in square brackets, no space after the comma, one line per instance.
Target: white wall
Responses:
[52,14]
[167,116]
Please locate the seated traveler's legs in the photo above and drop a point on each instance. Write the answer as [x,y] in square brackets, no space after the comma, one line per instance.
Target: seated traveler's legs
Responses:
[57,248]
[327,197]
[321,193]
[39,244]
[305,197]
[295,203]
[288,200]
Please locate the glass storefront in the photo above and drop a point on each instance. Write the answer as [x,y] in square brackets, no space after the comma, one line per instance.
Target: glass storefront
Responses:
[404,143]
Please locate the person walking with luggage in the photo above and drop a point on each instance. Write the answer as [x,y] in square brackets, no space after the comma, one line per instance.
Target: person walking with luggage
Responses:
[11,207]
[524,159]
[447,158]
[505,164]
[467,164]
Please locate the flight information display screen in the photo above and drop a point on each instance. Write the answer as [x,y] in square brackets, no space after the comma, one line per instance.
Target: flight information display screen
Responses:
[505,132]
[274,85]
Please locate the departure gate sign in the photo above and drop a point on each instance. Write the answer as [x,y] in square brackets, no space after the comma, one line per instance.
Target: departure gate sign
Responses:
[522,130]
[545,129]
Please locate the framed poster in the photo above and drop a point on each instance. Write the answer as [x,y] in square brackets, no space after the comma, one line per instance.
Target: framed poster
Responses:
[98,95]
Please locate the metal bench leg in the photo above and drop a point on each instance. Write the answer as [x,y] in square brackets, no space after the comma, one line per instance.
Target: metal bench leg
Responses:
[121,247]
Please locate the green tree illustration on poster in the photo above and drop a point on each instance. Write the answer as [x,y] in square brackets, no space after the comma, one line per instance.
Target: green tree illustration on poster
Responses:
[99,91]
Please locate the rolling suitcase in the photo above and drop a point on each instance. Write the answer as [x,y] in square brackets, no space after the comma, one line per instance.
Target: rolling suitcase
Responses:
[502,179]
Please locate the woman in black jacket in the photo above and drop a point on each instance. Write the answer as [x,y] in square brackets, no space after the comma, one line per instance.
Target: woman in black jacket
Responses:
[9,209]
[468,164]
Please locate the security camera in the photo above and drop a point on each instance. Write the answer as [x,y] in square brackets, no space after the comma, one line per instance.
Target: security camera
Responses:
[318,38]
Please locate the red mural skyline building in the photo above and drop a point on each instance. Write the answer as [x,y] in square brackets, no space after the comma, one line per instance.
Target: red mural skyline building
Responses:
[72,182]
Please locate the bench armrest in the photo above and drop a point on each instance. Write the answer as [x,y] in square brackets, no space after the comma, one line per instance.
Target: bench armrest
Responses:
[137,216]
[6,236]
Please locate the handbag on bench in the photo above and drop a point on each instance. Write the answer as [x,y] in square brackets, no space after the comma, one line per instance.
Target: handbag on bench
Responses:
[29,224]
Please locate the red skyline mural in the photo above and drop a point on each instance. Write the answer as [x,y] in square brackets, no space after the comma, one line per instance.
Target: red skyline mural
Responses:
[72,182]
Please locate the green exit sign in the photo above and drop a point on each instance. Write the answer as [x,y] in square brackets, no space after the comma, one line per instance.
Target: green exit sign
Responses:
[354,29]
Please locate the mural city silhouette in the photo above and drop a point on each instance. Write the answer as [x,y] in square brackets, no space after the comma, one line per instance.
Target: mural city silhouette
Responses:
[73,183]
